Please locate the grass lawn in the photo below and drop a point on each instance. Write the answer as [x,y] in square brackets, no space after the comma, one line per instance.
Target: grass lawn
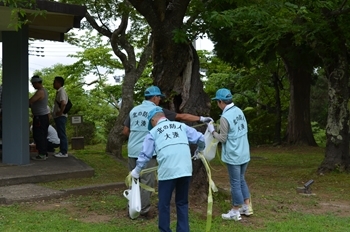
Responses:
[273,175]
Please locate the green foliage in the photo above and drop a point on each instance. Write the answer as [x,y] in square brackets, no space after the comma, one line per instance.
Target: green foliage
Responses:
[108,14]
[252,89]
[96,59]
[88,130]
[319,134]
[261,126]
[255,28]
[96,105]
[180,36]
[142,84]
[319,99]
[19,11]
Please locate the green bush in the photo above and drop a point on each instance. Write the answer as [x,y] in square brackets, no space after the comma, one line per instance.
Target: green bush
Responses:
[319,134]
[87,129]
[261,126]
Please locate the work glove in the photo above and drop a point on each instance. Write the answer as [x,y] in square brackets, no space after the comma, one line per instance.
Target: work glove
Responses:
[135,174]
[211,128]
[205,119]
[196,155]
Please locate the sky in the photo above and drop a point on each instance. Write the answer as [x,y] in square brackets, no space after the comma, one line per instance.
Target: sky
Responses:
[45,54]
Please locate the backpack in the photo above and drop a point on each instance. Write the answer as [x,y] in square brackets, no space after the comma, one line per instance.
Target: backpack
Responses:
[68,106]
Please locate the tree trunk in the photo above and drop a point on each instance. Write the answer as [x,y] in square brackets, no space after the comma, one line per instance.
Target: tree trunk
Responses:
[115,138]
[133,72]
[176,67]
[176,72]
[278,123]
[299,125]
[299,129]
[299,62]
[122,47]
[337,130]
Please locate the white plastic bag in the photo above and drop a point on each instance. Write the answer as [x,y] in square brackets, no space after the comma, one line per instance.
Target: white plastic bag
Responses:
[211,144]
[134,197]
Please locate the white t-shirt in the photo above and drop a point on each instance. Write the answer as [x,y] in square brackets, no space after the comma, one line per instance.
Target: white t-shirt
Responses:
[52,135]
[61,95]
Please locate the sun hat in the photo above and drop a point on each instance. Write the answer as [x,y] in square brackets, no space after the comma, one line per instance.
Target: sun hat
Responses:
[223,94]
[151,114]
[36,79]
[153,91]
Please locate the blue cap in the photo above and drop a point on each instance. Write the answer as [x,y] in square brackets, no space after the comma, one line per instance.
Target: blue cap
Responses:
[223,94]
[153,91]
[151,114]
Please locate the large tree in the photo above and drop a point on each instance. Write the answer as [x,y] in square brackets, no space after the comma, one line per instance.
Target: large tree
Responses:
[314,31]
[131,32]
[176,63]
[331,43]
[249,31]
[299,62]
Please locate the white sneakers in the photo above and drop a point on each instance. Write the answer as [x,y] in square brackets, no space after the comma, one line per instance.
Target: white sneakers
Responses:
[60,155]
[232,215]
[246,210]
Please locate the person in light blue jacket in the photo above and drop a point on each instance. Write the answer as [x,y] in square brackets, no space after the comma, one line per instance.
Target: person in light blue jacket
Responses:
[235,152]
[169,140]
[136,128]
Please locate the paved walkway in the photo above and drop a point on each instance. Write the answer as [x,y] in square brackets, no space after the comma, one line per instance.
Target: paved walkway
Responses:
[18,183]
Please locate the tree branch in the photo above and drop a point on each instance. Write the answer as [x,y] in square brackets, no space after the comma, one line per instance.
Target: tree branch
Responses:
[343,4]
[144,7]
[91,83]
[145,56]
[99,17]
[341,10]
[195,16]
[98,72]
[178,10]
[118,38]
[99,29]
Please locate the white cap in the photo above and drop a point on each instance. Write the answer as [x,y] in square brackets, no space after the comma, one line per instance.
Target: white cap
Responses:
[36,79]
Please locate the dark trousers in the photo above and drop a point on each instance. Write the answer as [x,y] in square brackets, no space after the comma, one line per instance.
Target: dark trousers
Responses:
[165,191]
[51,146]
[40,127]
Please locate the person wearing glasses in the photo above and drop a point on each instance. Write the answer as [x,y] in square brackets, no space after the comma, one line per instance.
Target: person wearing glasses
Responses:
[136,128]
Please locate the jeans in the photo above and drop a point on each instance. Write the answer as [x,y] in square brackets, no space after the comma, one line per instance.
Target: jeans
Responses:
[61,132]
[239,187]
[165,191]
[40,127]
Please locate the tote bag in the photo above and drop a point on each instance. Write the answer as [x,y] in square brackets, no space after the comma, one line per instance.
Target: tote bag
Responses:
[134,197]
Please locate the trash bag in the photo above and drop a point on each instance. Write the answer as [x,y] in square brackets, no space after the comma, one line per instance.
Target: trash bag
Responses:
[211,144]
[134,197]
